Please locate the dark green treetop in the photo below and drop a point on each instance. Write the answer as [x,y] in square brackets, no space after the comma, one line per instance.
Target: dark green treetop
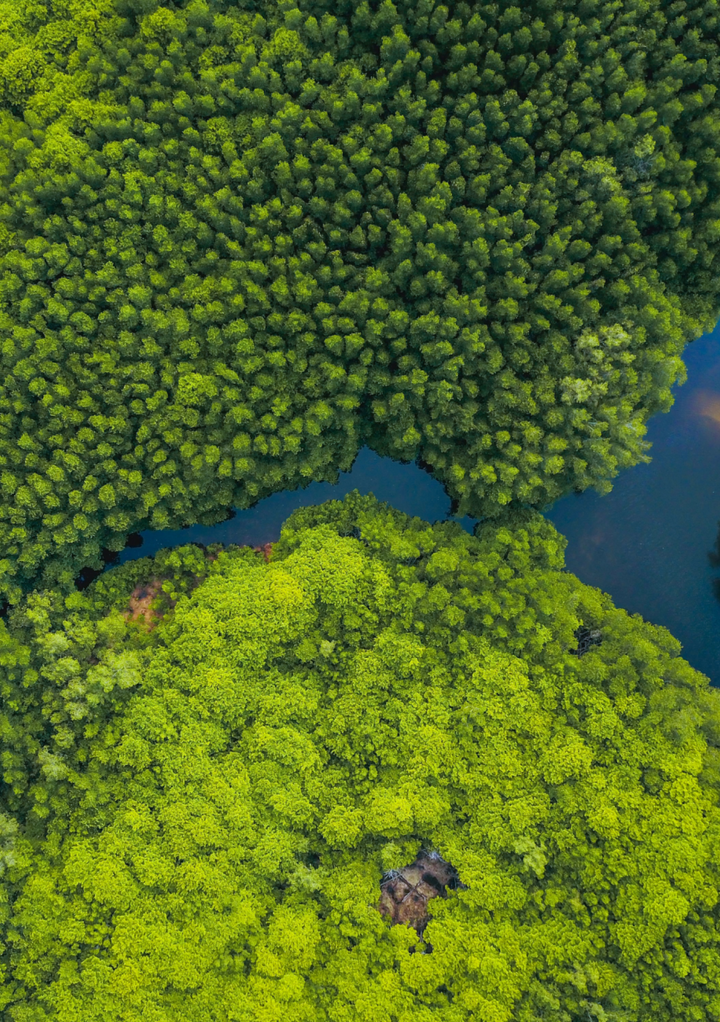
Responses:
[199,816]
[239,240]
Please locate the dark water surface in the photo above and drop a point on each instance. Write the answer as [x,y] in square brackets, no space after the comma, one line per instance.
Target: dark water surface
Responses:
[407,487]
[648,543]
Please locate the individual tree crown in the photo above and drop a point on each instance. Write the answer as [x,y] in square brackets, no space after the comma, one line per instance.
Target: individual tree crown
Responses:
[240,240]
[203,813]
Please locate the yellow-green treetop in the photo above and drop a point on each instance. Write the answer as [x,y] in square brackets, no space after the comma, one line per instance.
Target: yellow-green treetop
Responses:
[239,240]
[201,814]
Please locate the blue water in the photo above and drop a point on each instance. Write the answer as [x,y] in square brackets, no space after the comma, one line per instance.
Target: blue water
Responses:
[648,543]
[405,486]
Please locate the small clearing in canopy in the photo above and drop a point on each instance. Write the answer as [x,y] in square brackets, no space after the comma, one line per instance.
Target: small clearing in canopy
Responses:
[143,600]
[586,637]
[405,893]
[141,603]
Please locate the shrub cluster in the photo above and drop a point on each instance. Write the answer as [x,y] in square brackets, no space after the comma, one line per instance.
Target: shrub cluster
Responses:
[234,246]
[202,813]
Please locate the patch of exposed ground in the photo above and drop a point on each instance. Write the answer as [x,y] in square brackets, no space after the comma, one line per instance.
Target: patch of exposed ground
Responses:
[405,893]
[141,603]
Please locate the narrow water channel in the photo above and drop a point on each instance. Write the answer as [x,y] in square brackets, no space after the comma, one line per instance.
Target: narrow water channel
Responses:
[407,487]
[652,543]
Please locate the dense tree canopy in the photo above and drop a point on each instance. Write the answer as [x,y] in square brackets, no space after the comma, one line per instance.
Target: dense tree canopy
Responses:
[200,814]
[238,240]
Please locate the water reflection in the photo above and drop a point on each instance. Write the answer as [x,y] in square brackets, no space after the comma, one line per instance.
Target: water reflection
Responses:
[707,405]
[646,543]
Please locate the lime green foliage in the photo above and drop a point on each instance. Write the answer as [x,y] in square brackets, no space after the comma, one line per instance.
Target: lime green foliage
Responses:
[237,245]
[84,657]
[204,838]
[41,45]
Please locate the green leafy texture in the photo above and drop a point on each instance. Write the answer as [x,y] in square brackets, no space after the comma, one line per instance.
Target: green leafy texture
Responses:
[204,839]
[238,245]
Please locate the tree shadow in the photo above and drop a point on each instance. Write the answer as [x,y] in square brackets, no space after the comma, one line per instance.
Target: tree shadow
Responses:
[88,575]
[714,559]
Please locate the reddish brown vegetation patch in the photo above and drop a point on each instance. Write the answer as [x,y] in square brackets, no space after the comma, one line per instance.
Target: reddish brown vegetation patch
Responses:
[141,600]
[145,593]
[405,893]
[265,550]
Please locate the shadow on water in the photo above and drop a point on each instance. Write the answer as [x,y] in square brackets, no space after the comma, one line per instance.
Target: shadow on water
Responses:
[87,575]
[714,561]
